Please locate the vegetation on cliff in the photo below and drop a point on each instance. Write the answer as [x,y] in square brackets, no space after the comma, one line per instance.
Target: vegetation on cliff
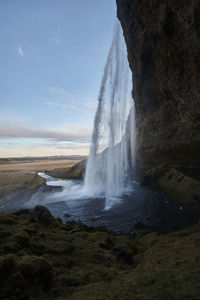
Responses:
[76,171]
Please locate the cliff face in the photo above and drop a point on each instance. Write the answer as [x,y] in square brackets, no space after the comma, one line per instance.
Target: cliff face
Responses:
[163,43]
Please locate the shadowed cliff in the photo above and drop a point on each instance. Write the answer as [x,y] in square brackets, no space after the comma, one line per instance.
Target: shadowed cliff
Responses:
[163,43]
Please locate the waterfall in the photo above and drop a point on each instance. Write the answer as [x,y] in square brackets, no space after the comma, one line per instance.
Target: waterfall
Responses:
[111,163]
[112,152]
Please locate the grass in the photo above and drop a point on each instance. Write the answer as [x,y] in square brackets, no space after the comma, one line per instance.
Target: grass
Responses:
[36,165]
[15,183]
[175,183]
[42,258]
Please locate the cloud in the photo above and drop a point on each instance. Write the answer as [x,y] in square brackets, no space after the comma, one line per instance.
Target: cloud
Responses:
[57,38]
[90,105]
[20,51]
[76,108]
[68,131]
[83,103]
[64,106]
[36,148]
[76,130]
[59,91]
[18,140]
[50,103]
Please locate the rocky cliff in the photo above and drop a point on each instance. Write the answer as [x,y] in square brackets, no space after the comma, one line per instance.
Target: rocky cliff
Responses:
[163,43]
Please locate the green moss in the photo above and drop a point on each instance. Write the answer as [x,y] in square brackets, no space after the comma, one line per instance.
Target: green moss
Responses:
[21,238]
[73,261]
[36,270]
[181,187]
[7,265]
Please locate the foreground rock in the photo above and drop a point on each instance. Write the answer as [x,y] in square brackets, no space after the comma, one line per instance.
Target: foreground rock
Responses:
[41,258]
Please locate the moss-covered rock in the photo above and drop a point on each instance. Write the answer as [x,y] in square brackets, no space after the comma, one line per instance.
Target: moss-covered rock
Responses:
[181,187]
[175,182]
[36,270]
[73,261]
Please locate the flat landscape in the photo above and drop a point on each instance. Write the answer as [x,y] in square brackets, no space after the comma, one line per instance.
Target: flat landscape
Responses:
[35,165]
[18,176]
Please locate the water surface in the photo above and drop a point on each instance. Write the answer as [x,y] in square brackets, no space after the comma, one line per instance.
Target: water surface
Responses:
[140,208]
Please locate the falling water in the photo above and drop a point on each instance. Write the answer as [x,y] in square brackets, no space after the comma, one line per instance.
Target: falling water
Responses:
[112,154]
[110,166]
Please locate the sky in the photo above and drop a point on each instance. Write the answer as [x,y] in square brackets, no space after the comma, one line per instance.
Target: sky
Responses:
[52,57]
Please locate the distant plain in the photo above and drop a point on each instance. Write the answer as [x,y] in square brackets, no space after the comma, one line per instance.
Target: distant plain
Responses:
[20,175]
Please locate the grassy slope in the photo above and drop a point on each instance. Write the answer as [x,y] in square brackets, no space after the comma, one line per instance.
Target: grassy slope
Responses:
[12,184]
[176,183]
[76,171]
[41,258]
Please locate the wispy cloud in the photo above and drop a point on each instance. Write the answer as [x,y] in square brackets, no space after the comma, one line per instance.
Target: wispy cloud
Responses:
[59,91]
[90,104]
[51,103]
[73,107]
[57,38]
[64,106]
[82,103]
[20,51]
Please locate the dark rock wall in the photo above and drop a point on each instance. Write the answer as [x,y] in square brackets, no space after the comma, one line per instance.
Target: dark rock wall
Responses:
[163,42]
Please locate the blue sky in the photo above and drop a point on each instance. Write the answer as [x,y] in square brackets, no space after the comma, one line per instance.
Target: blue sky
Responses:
[52,57]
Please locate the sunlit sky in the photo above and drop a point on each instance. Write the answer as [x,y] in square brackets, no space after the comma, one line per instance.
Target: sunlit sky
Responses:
[52,57]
